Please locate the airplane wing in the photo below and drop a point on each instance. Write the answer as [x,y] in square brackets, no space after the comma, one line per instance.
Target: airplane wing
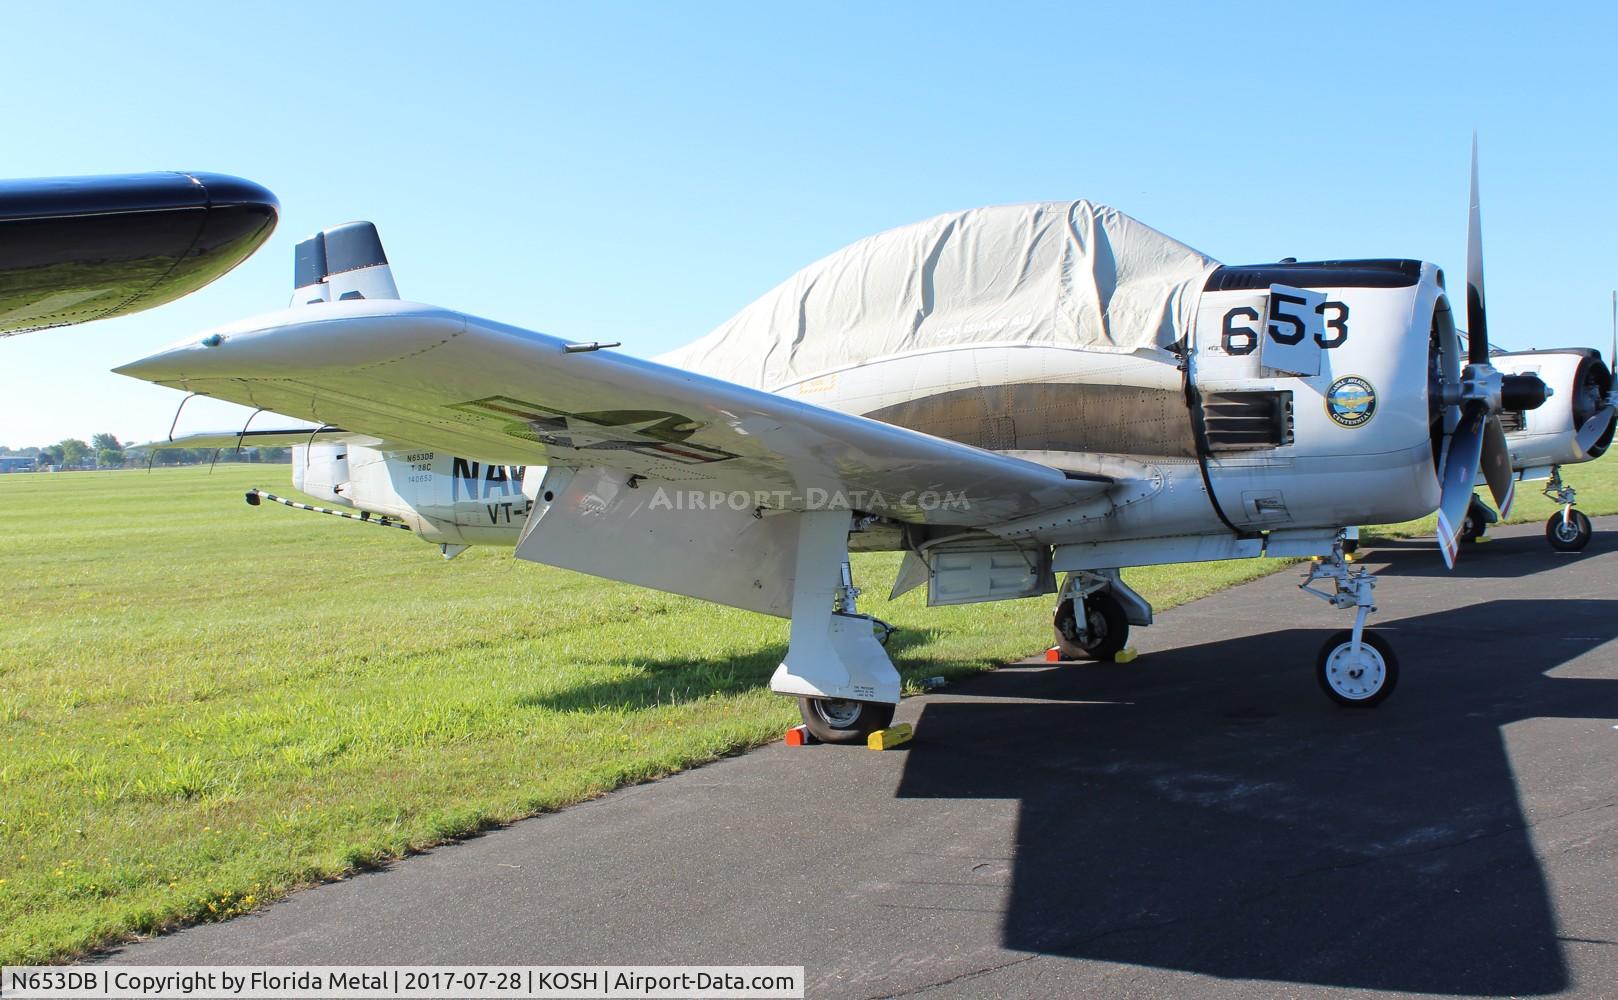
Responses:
[76,249]
[440,379]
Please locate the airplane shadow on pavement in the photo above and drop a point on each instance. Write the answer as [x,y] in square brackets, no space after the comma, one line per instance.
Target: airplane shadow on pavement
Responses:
[1208,810]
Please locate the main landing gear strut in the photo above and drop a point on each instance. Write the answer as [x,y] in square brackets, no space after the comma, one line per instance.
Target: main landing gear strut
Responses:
[847,720]
[1090,621]
[1568,530]
[846,686]
[1355,668]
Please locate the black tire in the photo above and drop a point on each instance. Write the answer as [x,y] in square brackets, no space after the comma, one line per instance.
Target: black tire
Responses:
[833,720]
[1107,633]
[1350,546]
[1343,691]
[1569,536]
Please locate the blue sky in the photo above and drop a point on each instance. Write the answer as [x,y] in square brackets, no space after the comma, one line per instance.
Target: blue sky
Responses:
[640,172]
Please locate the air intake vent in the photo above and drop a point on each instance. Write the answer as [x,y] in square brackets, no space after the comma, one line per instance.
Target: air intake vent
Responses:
[1513,420]
[1245,421]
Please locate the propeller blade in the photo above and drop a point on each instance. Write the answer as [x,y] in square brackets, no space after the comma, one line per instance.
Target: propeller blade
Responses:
[1495,463]
[1477,323]
[1595,427]
[1460,474]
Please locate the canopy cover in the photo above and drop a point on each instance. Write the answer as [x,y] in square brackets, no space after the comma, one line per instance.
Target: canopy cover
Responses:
[1061,274]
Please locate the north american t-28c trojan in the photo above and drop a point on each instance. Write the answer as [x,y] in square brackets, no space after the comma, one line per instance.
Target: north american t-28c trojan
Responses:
[1574,427]
[1006,394]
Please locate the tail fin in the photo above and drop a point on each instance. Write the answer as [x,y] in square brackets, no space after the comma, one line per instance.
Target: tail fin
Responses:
[344,262]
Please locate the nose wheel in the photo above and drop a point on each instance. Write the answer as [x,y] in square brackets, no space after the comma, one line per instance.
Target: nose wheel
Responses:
[1357,675]
[1568,530]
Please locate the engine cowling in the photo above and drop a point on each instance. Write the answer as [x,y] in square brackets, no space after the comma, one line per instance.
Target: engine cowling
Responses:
[1581,385]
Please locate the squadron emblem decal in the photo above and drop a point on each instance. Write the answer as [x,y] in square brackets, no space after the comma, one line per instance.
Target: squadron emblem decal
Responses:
[1351,401]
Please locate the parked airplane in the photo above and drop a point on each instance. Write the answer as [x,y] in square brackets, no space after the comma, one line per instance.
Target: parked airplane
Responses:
[1005,394]
[1575,427]
[77,249]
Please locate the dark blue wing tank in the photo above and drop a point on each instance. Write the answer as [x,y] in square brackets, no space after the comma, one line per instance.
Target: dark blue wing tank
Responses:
[76,249]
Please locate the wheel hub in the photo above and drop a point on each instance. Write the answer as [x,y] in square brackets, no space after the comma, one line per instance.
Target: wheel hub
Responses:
[838,713]
[1097,629]
[1355,677]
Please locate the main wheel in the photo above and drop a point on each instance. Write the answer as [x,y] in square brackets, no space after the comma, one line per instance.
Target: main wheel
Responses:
[1104,633]
[1568,534]
[1357,682]
[843,720]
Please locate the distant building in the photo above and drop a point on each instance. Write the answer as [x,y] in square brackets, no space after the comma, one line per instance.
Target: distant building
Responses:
[16,463]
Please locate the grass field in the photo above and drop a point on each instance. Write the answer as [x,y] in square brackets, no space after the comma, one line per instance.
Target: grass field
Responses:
[204,705]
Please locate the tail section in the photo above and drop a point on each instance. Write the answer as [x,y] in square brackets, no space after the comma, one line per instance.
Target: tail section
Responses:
[341,263]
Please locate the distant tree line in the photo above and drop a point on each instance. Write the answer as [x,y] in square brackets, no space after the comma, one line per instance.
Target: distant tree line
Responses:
[104,451]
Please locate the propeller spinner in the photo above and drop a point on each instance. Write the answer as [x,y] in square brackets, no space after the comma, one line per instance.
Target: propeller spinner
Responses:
[1478,442]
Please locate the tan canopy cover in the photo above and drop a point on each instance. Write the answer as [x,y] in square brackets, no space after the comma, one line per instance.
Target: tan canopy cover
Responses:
[1062,274]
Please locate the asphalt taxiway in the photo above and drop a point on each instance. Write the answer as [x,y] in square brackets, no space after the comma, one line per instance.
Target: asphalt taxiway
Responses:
[1201,821]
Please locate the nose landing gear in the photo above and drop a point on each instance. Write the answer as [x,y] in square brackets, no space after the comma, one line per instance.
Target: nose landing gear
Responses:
[1356,668]
[1568,530]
